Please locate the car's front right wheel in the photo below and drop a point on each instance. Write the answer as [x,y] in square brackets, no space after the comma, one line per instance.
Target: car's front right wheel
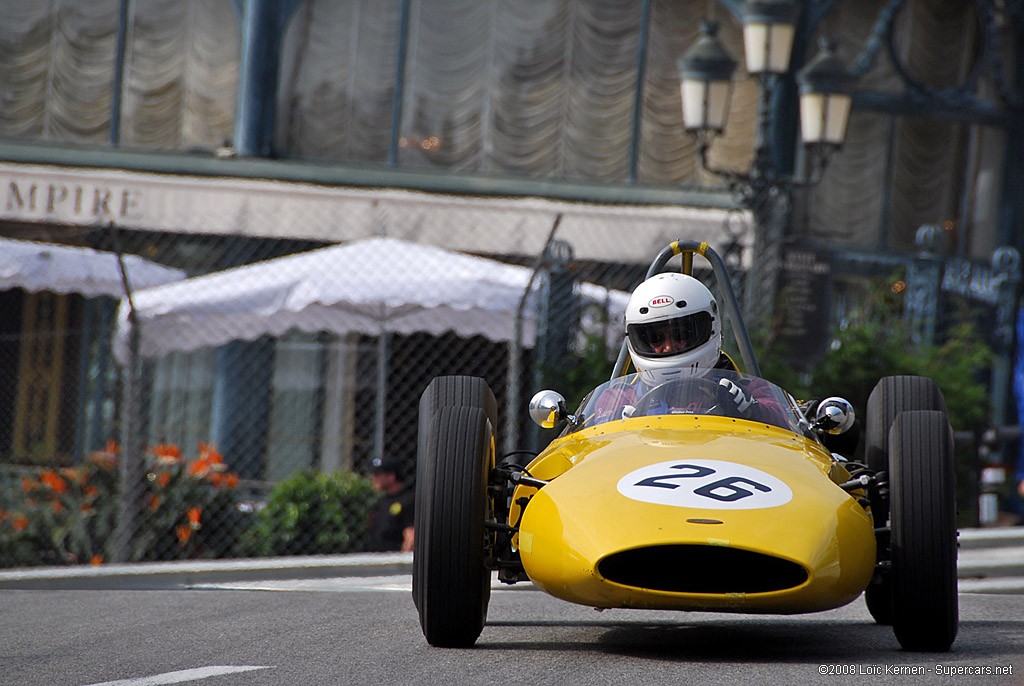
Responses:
[449,551]
[441,392]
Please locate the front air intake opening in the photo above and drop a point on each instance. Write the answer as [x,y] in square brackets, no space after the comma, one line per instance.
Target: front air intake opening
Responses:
[701,569]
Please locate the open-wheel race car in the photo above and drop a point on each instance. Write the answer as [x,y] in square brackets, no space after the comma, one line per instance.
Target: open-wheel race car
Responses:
[671,499]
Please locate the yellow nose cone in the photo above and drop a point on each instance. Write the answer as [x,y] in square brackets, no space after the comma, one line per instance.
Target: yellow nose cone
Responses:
[741,521]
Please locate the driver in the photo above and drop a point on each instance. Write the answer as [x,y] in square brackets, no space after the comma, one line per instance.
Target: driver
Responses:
[673,329]
[673,332]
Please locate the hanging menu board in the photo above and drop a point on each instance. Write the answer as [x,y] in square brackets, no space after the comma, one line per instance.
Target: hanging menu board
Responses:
[803,304]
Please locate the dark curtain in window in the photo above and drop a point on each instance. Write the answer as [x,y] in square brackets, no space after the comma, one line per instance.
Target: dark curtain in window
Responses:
[57,72]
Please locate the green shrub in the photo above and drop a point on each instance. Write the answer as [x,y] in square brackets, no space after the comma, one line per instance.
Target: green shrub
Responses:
[313,513]
[188,507]
[58,517]
[879,343]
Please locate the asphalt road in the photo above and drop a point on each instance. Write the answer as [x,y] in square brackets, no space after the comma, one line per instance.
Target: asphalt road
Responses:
[365,631]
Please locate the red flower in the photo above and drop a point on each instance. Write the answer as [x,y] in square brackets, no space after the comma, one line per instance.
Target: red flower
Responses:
[168,454]
[184,533]
[20,523]
[54,481]
[106,461]
[198,468]
[193,517]
[209,453]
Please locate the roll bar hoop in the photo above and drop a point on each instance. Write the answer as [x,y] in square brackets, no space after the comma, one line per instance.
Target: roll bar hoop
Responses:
[688,249]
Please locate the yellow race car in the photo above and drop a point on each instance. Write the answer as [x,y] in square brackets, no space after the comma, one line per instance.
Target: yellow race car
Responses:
[670,501]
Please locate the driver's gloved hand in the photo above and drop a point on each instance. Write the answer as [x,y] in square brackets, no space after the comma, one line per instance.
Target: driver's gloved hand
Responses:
[730,395]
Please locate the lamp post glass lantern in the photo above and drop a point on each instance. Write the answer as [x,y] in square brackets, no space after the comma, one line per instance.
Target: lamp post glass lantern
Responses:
[706,68]
[768,30]
[824,98]
[769,26]
[706,81]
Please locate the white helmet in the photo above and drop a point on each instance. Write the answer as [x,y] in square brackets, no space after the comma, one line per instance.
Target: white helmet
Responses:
[672,328]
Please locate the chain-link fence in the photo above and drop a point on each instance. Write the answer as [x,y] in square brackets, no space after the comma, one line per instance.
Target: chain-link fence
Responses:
[232,404]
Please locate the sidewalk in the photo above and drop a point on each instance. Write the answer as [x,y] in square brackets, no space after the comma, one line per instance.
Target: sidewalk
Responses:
[990,561]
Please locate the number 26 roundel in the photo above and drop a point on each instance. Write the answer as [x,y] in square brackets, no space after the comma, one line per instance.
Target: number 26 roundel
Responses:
[705,484]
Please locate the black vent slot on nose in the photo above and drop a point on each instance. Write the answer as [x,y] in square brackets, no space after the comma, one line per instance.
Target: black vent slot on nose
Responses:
[701,569]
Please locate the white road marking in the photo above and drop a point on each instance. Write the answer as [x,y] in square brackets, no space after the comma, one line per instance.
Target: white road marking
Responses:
[401,583]
[181,676]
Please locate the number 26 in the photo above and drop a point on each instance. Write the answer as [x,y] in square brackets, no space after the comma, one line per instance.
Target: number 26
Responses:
[732,491]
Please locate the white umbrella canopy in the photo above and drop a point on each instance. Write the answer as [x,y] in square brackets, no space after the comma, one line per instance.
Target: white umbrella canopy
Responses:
[370,286]
[38,267]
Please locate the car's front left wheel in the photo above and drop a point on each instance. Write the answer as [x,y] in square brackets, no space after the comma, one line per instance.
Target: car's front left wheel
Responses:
[890,396]
[925,610]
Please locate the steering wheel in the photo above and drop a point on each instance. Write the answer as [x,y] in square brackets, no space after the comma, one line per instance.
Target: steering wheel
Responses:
[673,393]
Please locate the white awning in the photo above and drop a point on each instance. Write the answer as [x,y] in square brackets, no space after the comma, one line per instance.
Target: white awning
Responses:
[371,286]
[67,269]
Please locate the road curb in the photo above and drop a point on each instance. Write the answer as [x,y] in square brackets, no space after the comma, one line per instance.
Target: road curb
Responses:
[1002,584]
[991,560]
[149,575]
[971,539]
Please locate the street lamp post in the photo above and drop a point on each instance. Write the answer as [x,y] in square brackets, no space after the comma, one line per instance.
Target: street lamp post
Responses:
[706,69]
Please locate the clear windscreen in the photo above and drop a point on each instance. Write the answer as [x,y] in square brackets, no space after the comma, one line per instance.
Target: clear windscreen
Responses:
[627,396]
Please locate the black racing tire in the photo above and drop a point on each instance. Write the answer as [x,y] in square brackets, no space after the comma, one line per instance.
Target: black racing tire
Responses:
[458,391]
[891,396]
[878,598]
[442,392]
[454,584]
[925,607]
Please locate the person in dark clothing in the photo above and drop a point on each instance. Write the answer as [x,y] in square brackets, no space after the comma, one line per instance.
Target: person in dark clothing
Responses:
[391,522]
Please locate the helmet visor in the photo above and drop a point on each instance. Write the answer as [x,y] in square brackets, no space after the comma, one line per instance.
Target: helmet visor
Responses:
[670,336]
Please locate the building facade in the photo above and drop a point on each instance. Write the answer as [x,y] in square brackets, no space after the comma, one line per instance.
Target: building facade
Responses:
[207,134]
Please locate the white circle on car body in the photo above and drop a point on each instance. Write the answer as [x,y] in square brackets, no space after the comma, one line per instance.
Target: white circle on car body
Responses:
[705,484]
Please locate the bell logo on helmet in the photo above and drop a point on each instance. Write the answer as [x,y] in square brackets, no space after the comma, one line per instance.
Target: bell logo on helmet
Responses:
[661,301]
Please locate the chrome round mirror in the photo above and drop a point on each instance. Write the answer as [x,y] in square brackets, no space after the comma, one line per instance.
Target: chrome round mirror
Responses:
[834,415]
[547,408]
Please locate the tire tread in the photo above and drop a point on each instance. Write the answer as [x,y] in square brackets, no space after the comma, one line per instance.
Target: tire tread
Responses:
[448,563]
[924,579]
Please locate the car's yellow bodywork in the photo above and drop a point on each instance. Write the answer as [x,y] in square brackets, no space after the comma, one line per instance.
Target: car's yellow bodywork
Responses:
[693,512]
